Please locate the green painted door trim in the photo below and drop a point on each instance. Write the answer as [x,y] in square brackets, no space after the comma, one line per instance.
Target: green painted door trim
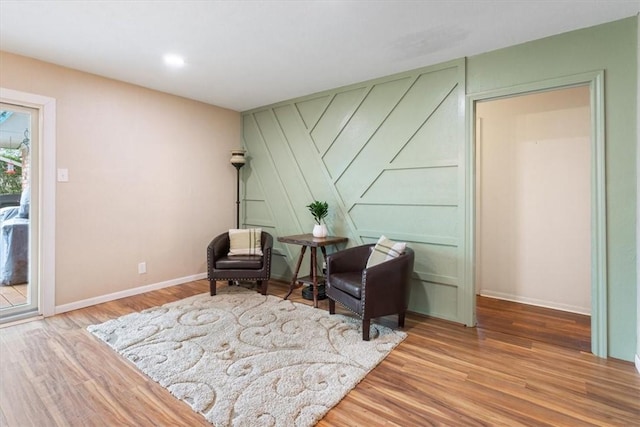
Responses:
[595,80]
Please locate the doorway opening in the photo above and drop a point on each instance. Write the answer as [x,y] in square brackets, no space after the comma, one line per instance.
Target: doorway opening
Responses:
[19,189]
[554,167]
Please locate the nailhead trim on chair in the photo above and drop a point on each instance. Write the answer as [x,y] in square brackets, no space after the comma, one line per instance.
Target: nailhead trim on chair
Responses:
[364,284]
[364,293]
[344,306]
[269,265]
[252,279]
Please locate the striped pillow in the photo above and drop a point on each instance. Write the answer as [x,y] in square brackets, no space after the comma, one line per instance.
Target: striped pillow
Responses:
[245,241]
[385,250]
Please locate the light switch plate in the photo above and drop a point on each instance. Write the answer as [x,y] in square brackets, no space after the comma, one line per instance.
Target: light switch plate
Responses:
[63,175]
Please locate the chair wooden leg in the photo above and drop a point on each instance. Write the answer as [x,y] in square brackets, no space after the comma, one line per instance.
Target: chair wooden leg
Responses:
[366,324]
[262,284]
[401,319]
[212,287]
[332,306]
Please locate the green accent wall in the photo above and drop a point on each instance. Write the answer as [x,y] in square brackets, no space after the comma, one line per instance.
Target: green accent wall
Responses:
[388,157]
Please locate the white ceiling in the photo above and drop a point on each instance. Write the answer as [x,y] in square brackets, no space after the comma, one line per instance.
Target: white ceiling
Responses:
[246,54]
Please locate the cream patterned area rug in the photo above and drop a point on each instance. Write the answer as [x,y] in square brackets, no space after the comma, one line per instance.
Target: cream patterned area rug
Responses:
[243,359]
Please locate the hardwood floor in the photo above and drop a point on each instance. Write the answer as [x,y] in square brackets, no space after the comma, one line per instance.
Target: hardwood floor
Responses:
[561,328]
[54,373]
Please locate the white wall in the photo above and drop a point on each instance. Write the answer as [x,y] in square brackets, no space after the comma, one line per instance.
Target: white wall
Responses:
[534,199]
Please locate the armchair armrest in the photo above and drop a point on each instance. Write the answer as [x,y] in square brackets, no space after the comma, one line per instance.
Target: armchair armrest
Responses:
[267,241]
[219,247]
[267,247]
[350,259]
[378,281]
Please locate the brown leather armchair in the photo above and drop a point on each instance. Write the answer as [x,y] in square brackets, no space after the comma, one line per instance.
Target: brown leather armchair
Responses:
[239,267]
[372,292]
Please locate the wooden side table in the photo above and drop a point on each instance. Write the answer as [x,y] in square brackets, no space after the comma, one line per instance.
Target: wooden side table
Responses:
[307,240]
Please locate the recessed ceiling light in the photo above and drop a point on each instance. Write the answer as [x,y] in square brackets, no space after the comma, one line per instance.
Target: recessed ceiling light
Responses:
[174,60]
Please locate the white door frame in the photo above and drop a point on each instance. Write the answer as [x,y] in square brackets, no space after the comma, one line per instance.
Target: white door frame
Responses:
[595,81]
[47,268]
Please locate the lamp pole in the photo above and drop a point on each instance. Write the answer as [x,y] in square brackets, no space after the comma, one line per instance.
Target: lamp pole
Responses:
[238,160]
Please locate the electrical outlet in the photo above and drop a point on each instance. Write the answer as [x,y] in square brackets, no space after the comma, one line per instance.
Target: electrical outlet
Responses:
[142,267]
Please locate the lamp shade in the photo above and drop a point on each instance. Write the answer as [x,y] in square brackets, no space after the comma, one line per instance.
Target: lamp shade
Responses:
[237,158]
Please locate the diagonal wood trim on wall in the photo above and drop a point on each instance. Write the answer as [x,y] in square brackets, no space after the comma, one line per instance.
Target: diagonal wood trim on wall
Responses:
[386,156]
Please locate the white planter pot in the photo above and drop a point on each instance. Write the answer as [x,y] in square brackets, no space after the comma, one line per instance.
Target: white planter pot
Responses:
[320,230]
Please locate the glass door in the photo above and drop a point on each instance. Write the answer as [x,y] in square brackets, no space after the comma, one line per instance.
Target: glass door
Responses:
[19,231]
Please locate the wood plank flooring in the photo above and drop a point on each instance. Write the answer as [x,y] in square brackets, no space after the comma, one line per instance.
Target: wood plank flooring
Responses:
[562,328]
[54,373]
[11,296]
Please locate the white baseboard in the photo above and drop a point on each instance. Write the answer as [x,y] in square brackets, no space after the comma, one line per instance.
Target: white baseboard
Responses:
[540,303]
[638,363]
[127,293]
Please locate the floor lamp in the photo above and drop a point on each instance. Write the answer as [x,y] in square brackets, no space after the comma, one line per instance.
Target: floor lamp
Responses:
[238,160]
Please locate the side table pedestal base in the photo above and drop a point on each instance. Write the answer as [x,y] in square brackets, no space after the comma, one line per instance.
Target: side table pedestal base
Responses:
[307,292]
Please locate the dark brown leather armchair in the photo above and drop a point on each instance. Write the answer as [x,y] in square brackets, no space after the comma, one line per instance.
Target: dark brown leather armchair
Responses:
[372,292]
[239,267]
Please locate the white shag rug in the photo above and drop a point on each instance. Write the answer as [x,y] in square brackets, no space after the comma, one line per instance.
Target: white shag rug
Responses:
[243,359]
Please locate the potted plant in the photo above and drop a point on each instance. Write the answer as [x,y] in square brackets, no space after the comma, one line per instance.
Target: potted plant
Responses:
[319,210]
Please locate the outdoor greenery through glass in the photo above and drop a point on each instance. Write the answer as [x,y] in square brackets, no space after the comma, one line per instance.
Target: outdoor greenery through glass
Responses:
[10,183]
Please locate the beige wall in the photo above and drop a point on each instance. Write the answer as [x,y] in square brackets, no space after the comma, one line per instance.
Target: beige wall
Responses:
[533,211]
[149,179]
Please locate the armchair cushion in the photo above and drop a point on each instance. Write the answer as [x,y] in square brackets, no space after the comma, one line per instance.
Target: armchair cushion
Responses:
[385,250]
[245,242]
[239,262]
[350,283]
